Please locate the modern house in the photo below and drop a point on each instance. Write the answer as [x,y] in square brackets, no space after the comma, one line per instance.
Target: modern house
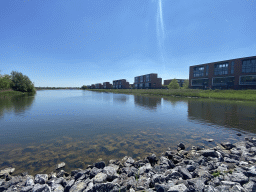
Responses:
[98,86]
[149,81]
[92,86]
[180,81]
[234,73]
[107,85]
[120,84]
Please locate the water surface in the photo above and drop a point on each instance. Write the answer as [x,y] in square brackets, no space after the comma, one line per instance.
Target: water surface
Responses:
[82,127]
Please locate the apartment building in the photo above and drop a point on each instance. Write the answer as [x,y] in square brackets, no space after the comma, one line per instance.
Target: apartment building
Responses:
[180,81]
[98,86]
[92,86]
[237,73]
[107,85]
[149,81]
[120,84]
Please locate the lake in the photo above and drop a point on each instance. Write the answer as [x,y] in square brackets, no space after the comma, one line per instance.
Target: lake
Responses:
[82,127]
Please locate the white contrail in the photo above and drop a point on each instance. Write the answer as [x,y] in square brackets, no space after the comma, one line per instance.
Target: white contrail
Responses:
[160,29]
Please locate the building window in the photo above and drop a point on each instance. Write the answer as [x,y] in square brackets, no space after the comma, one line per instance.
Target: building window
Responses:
[199,82]
[247,80]
[141,78]
[232,67]
[218,81]
[198,71]
[136,79]
[141,85]
[249,66]
[147,78]
[221,69]
[206,70]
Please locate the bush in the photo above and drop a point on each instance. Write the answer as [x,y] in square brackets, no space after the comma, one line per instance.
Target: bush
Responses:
[21,82]
[84,87]
[174,84]
[185,84]
[5,82]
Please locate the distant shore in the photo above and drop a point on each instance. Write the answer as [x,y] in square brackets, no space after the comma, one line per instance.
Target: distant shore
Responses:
[242,95]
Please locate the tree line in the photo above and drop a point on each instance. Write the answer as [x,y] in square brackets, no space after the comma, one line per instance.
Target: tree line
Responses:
[17,82]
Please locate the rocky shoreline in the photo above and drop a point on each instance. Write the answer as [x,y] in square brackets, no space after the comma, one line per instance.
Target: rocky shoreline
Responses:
[226,167]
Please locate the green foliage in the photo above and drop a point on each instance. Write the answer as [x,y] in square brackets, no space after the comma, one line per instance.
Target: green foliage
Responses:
[216,174]
[174,84]
[84,87]
[21,82]
[5,82]
[185,84]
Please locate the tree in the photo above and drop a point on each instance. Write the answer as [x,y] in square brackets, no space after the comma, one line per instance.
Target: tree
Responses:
[84,87]
[21,82]
[174,84]
[185,84]
[5,82]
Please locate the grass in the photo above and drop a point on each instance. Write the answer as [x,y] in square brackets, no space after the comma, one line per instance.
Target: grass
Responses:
[10,93]
[244,95]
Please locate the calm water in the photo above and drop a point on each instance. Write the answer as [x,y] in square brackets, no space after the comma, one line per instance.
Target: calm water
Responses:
[82,127]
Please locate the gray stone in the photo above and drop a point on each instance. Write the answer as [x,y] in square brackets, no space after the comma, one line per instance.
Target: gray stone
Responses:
[100,165]
[110,172]
[250,186]
[29,182]
[60,165]
[41,188]
[94,171]
[105,187]
[130,182]
[41,178]
[130,171]
[152,159]
[239,177]
[8,170]
[237,188]
[229,183]
[143,183]
[190,168]
[57,188]
[157,178]
[129,162]
[173,175]
[185,173]
[26,189]
[252,171]
[228,160]
[100,178]
[161,187]
[69,184]
[227,145]
[181,146]
[178,188]
[209,153]
[145,169]
[79,186]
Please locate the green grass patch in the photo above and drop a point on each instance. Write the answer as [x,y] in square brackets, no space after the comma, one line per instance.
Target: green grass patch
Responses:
[244,95]
[10,93]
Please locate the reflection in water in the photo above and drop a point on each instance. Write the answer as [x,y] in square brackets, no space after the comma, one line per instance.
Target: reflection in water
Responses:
[120,98]
[147,102]
[233,115]
[18,104]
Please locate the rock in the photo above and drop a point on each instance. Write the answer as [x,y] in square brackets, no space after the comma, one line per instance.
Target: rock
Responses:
[181,146]
[209,188]
[209,140]
[239,134]
[79,186]
[29,182]
[100,165]
[157,178]
[60,165]
[8,170]
[143,183]
[41,178]
[41,188]
[239,177]
[190,168]
[250,186]
[152,159]
[228,160]
[57,188]
[227,145]
[129,162]
[209,153]
[130,171]
[26,189]
[161,188]
[173,175]
[69,185]
[179,188]
[62,173]
[100,178]
[94,171]
[105,187]
[185,173]
[252,171]
[237,188]
[110,172]
[130,182]
[145,169]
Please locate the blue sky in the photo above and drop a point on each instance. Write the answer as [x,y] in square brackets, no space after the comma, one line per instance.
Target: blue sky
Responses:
[81,42]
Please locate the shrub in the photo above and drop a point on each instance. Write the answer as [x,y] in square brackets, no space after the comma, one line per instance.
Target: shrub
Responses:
[21,82]
[185,84]
[84,87]
[174,84]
